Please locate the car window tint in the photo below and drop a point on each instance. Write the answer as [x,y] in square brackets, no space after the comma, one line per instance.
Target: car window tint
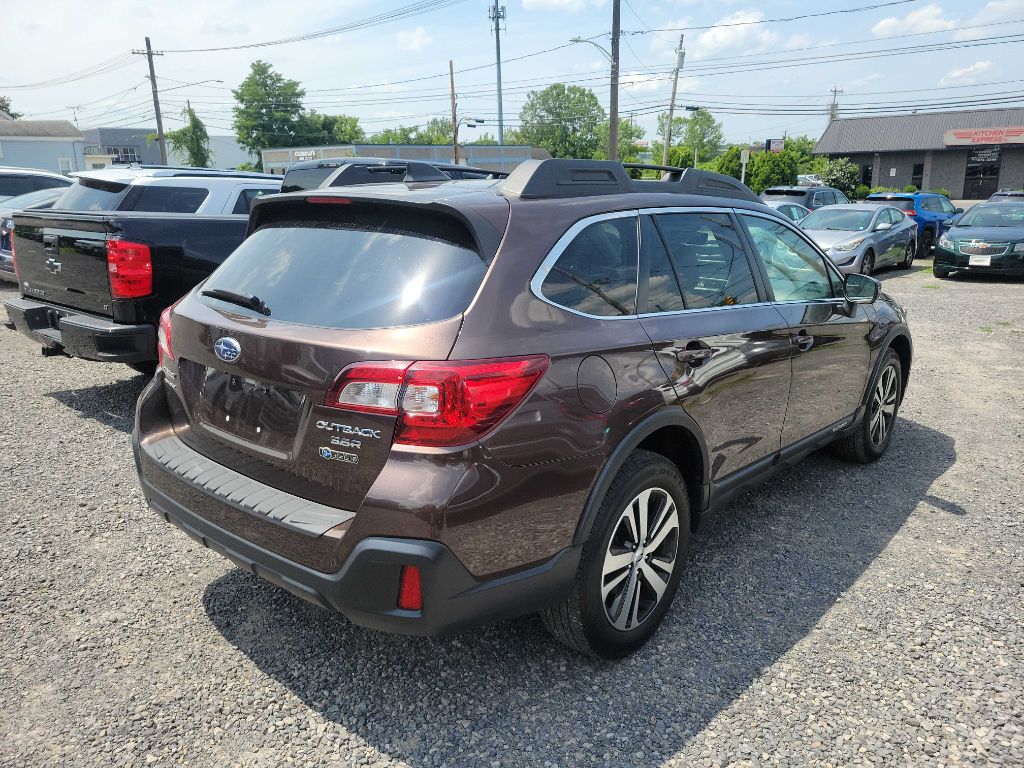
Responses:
[596,273]
[947,207]
[794,269]
[840,197]
[709,259]
[91,195]
[245,198]
[306,178]
[160,199]
[10,186]
[662,288]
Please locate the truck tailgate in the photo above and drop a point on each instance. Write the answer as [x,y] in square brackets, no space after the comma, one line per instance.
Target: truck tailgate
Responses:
[62,258]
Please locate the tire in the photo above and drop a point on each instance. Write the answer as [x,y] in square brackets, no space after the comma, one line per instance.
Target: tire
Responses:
[942,274]
[925,246]
[867,266]
[908,256]
[871,438]
[594,620]
[146,369]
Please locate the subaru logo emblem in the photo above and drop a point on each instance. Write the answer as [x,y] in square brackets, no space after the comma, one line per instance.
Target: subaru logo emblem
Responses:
[227,349]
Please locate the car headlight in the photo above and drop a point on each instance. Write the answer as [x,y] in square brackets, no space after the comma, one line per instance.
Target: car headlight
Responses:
[849,245]
[1018,248]
[945,242]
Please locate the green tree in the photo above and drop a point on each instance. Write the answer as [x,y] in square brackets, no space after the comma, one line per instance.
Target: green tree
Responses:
[700,130]
[766,169]
[730,163]
[314,128]
[269,112]
[5,106]
[438,130]
[347,130]
[841,174]
[192,141]
[400,135]
[484,139]
[629,135]
[564,120]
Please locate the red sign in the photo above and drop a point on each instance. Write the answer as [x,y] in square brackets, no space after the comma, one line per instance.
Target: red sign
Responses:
[967,136]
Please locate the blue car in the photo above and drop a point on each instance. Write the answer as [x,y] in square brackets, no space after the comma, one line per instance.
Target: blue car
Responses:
[928,209]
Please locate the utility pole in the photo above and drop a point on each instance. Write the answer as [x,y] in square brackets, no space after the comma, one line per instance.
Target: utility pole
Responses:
[613,97]
[149,53]
[680,56]
[455,120]
[497,14]
[833,111]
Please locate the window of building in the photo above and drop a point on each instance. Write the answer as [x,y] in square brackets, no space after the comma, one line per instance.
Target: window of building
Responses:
[917,177]
[129,154]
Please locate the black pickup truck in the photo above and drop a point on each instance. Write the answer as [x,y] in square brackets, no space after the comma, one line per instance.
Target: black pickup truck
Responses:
[94,280]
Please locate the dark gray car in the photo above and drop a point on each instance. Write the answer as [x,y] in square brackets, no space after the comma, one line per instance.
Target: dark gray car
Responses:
[862,237]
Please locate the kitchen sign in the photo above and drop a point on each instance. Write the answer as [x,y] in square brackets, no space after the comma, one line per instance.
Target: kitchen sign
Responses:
[961,137]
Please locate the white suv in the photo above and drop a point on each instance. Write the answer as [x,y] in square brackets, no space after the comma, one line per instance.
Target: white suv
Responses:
[18,181]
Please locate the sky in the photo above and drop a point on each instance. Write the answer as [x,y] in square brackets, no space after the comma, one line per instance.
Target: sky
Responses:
[761,75]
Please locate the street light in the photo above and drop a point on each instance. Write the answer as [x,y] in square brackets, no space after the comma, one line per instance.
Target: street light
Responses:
[694,109]
[470,122]
[601,48]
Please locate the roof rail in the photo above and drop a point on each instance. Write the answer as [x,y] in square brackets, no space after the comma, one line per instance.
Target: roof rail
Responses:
[559,178]
[190,170]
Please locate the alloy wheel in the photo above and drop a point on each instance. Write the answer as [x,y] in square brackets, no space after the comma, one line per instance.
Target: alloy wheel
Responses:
[640,558]
[908,256]
[883,405]
[867,266]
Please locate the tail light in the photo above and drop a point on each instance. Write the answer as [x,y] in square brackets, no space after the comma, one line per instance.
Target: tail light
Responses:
[441,404]
[164,351]
[911,212]
[410,592]
[14,256]
[131,269]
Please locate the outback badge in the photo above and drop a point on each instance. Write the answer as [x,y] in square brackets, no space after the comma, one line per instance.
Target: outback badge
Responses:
[227,349]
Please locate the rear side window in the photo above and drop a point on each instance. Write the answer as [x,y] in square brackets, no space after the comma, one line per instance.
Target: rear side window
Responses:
[245,198]
[306,178]
[354,274]
[12,186]
[709,259]
[91,195]
[161,199]
[660,292]
[596,273]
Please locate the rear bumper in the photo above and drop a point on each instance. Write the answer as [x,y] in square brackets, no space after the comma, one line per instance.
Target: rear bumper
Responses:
[82,335]
[365,590]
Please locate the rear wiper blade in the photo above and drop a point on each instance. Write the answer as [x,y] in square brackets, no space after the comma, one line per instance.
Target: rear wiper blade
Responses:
[246,300]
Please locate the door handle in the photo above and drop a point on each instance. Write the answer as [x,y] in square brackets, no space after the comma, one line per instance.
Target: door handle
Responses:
[803,340]
[694,353]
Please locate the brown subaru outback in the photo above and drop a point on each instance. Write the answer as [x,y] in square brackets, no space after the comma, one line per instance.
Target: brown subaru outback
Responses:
[431,406]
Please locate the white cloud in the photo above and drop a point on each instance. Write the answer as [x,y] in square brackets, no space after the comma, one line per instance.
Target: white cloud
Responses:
[571,6]
[413,39]
[799,40]
[966,75]
[992,12]
[739,34]
[926,19]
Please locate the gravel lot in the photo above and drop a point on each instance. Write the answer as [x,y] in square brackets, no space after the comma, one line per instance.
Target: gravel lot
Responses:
[841,615]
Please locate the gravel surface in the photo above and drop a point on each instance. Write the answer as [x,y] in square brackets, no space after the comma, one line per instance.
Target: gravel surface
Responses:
[840,615]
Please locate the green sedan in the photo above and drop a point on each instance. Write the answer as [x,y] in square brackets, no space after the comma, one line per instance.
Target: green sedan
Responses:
[988,238]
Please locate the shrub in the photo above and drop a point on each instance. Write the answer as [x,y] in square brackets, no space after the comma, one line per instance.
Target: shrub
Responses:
[910,188]
[841,174]
[876,190]
[940,191]
[861,191]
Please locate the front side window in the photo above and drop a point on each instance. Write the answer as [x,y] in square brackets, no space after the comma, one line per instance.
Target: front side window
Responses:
[709,259]
[840,197]
[947,207]
[794,269]
[596,273]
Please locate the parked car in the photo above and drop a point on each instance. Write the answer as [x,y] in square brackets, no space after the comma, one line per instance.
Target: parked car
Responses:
[430,408]
[810,197]
[863,237]
[310,174]
[41,198]
[810,180]
[988,238]
[1012,195]
[792,211]
[18,181]
[120,245]
[928,209]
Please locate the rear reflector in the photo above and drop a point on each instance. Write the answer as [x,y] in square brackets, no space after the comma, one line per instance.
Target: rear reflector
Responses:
[14,256]
[439,404]
[131,269]
[164,351]
[410,593]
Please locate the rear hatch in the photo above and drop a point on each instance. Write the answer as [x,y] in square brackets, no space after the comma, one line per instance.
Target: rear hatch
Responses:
[337,285]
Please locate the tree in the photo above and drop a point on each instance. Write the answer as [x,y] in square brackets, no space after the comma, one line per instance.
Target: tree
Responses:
[269,112]
[438,130]
[841,174]
[315,128]
[191,142]
[629,134]
[400,135]
[5,106]
[700,130]
[766,169]
[564,120]
[730,163]
[484,139]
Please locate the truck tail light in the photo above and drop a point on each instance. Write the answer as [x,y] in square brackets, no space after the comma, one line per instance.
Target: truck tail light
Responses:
[164,351]
[14,256]
[439,404]
[131,269]
[410,591]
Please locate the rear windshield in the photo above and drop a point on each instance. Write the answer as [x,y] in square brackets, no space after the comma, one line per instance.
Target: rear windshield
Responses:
[902,203]
[160,199]
[306,178]
[91,195]
[785,193]
[845,219]
[349,276]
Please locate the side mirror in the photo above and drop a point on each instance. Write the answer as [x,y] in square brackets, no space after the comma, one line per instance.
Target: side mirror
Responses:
[958,210]
[861,289]
[882,226]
